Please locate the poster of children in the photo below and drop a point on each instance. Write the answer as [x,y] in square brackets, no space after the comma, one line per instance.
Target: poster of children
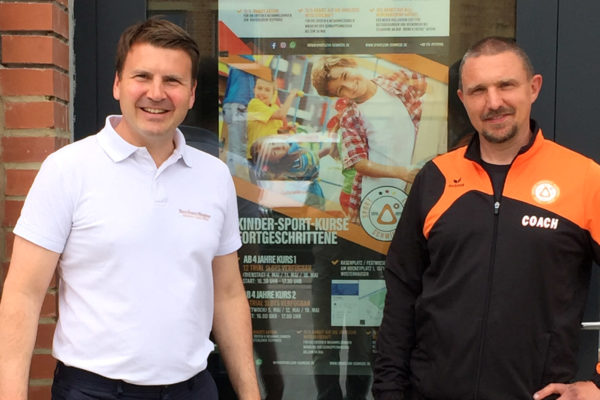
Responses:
[365,121]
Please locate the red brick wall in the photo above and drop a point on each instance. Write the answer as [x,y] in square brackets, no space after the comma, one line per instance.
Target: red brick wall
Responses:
[34,121]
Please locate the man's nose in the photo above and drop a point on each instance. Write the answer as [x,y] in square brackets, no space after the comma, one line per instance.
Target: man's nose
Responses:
[156,90]
[494,98]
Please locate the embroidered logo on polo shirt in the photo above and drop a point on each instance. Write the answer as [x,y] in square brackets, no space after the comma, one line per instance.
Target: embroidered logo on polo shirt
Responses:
[545,192]
[194,214]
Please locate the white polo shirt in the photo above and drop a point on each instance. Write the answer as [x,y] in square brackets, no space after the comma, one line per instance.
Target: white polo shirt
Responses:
[137,243]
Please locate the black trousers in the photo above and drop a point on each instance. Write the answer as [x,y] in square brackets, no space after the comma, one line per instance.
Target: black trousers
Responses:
[76,384]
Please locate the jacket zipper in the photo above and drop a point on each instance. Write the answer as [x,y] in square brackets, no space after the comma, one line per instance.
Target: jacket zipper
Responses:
[488,294]
[496,213]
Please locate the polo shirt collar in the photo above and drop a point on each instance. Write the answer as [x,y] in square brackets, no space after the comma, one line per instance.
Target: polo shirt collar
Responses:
[118,149]
[181,149]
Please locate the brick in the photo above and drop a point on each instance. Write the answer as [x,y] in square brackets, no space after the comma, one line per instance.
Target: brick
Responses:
[60,21]
[49,306]
[26,17]
[18,181]
[34,82]
[34,17]
[12,210]
[31,115]
[34,49]
[29,149]
[45,335]
[42,366]
[40,392]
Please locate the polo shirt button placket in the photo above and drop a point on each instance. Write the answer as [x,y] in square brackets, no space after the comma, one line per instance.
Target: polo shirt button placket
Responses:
[159,193]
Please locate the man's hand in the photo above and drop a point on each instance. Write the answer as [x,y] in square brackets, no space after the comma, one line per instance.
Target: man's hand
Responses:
[574,391]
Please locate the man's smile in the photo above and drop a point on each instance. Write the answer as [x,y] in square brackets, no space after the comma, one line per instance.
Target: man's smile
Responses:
[498,115]
[154,110]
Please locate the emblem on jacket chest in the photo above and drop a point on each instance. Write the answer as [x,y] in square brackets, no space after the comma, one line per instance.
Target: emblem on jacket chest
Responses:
[545,192]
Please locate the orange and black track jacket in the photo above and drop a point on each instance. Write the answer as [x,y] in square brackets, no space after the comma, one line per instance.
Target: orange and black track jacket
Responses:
[486,291]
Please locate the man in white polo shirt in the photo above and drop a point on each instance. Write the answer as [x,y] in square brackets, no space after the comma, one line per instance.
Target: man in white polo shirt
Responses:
[143,232]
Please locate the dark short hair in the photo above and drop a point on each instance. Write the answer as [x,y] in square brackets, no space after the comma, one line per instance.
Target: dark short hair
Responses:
[160,33]
[493,45]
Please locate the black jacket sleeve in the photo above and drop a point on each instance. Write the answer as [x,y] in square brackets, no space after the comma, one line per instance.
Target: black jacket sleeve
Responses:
[406,260]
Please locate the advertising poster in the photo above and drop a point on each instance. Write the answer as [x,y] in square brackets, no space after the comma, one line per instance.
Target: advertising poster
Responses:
[326,115]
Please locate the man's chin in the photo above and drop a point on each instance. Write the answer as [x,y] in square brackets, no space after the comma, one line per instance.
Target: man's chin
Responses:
[499,136]
[156,131]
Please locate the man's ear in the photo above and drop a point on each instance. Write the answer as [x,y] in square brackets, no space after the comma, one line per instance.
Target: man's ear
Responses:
[536,86]
[460,94]
[193,96]
[116,84]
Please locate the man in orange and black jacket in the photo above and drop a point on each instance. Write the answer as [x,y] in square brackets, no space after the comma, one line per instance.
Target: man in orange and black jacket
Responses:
[488,272]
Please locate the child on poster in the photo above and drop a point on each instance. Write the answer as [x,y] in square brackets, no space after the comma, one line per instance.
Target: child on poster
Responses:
[265,117]
[379,125]
[278,159]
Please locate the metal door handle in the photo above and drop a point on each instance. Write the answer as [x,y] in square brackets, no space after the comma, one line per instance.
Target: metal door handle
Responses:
[591,325]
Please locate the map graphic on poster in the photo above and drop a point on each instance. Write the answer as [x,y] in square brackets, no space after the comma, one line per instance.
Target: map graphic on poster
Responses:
[357,303]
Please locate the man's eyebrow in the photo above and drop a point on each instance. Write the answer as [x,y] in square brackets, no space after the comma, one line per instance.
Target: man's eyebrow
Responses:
[508,80]
[165,77]
[174,76]
[471,89]
[140,72]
